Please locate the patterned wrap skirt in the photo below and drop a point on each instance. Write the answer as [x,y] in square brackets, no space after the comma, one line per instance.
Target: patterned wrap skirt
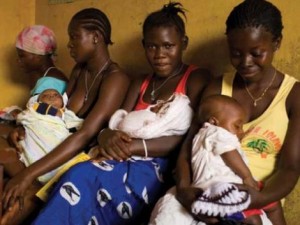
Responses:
[105,193]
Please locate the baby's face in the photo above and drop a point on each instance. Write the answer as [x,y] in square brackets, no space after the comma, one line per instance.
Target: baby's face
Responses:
[51,97]
[233,121]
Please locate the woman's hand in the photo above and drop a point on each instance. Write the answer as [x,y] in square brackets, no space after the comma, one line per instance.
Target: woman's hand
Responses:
[15,136]
[186,196]
[15,190]
[257,198]
[114,145]
[251,182]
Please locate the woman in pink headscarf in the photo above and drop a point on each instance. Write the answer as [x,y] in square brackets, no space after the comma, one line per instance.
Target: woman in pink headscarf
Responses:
[36,46]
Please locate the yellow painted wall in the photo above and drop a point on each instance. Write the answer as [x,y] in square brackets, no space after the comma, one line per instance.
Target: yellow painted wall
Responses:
[15,14]
[205,28]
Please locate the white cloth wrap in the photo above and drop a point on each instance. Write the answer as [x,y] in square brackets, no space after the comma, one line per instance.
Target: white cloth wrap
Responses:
[221,199]
[207,165]
[43,134]
[212,174]
[173,119]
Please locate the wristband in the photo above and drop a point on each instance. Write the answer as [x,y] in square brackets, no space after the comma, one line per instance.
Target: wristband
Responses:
[145,148]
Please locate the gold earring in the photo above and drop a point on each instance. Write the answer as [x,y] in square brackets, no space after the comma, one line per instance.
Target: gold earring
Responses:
[95,41]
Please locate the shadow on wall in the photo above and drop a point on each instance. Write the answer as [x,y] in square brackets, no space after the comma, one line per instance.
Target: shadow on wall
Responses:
[131,56]
[16,76]
[212,55]
[289,64]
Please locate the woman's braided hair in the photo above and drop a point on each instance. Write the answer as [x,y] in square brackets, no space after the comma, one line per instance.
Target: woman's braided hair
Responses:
[169,15]
[256,13]
[93,19]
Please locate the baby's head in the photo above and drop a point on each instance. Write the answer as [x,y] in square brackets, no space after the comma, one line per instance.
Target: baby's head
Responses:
[51,97]
[223,111]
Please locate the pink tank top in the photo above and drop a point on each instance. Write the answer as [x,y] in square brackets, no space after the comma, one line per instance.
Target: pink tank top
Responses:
[181,87]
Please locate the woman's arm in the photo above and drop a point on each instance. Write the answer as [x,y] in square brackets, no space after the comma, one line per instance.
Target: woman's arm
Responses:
[117,145]
[196,84]
[183,167]
[132,95]
[185,193]
[110,98]
[288,169]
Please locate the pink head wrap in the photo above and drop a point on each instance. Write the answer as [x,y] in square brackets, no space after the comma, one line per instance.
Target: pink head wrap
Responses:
[37,39]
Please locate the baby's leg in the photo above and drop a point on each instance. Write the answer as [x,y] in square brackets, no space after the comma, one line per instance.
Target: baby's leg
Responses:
[275,214]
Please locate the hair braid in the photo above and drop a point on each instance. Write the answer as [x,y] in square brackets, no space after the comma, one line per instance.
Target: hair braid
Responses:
[255,13]
[94,19]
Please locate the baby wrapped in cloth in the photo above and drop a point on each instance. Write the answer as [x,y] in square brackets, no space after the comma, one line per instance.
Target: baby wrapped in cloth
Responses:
[220,197]
[44,132]
[166,118]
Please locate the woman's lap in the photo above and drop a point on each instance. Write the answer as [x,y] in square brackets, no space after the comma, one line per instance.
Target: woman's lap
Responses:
[98,192]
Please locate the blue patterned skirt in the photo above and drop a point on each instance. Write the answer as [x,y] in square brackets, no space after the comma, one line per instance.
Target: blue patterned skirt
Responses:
[105,193]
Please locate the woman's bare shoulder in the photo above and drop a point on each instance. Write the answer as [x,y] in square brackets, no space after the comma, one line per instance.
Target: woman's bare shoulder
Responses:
[214,87]
[115,78]
[115,72]
[199,78]
[196,83]
[76,71]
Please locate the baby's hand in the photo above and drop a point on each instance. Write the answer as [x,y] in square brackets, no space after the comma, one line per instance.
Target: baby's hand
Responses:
[250,181]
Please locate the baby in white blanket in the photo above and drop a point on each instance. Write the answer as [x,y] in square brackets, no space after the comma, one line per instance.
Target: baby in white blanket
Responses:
[166,118]
[47,123]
